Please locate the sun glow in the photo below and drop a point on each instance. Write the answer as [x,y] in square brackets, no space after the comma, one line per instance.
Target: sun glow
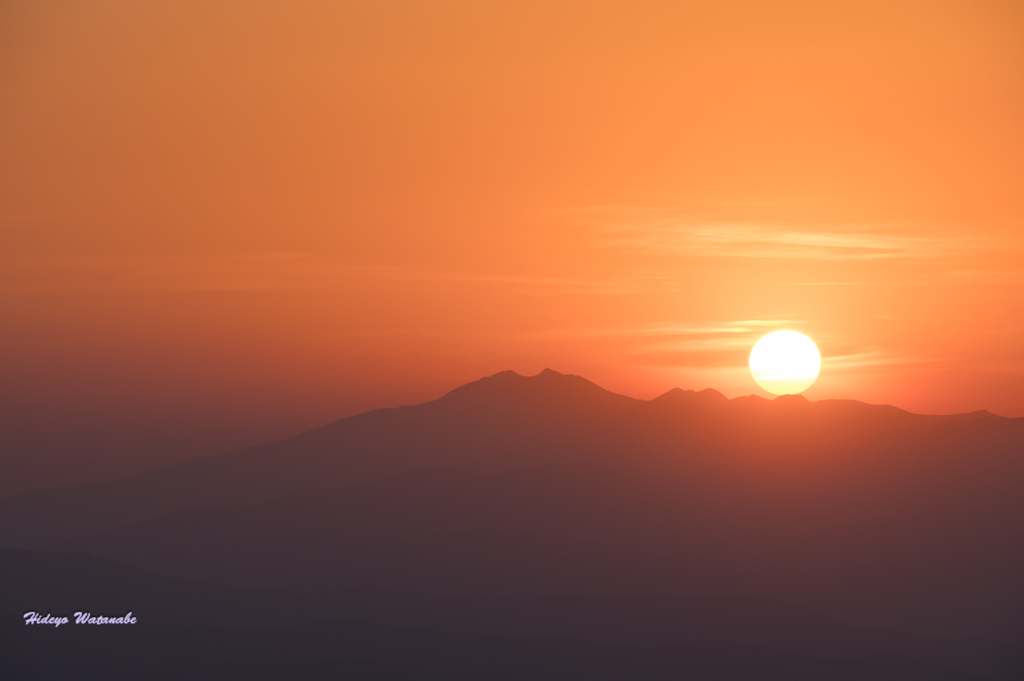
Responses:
[785,362]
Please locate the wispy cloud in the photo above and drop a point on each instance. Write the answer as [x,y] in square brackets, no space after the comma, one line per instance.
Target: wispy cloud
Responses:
[719,343]
[778,241]
[993,276]
[663,230]
[287,271]
[743,327]
[871,357]
[679,344]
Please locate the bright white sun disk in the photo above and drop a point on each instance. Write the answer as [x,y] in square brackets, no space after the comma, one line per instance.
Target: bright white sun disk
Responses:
[785,362]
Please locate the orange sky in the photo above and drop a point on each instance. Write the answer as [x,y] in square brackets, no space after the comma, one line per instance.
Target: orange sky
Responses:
[225,221]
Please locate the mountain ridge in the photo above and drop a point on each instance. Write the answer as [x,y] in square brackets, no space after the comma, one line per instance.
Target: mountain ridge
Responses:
[549,504]
[499,422]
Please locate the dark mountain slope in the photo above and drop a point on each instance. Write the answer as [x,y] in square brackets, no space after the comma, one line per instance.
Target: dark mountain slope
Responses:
[499,423]
[496,423]
[924,555]
[797,532]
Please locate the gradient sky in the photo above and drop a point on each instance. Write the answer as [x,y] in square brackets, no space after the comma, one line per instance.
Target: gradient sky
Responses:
[227,221]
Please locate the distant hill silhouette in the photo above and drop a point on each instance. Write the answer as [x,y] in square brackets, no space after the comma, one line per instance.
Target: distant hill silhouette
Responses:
[522,506]
[498,423]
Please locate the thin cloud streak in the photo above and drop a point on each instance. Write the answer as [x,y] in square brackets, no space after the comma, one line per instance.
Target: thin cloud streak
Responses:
[676,345]
[862,360]
[714,344]
[288,271]
[745,326]
[730,240]
[650,229]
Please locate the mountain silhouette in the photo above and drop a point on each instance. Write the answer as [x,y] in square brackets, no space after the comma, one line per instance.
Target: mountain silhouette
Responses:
[501,422]
[522,506]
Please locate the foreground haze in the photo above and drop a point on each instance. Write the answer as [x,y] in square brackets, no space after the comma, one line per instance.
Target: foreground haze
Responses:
[543,527]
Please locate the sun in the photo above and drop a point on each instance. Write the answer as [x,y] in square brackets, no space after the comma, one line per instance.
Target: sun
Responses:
[785,362]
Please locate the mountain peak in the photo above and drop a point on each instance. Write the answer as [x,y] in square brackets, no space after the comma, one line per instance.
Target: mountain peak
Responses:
[680,396]
[547,386]
[792,399]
